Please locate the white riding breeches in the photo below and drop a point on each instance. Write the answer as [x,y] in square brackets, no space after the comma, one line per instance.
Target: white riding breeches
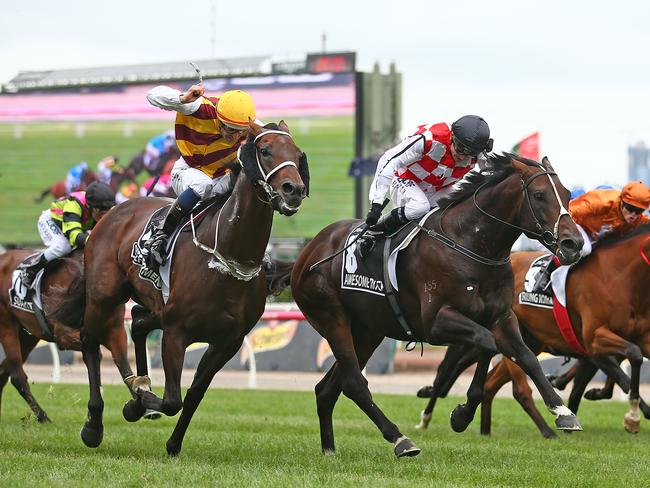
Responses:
[416,202]
[56,242]
[184,177]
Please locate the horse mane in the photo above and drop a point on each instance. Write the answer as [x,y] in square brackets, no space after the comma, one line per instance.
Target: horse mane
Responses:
[497,169]
[613,239]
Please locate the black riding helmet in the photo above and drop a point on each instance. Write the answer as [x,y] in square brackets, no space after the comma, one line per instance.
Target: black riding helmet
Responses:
[100,196]
[472,132]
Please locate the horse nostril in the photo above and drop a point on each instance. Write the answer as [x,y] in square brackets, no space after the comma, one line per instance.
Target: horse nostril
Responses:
[569,245]
[288,188]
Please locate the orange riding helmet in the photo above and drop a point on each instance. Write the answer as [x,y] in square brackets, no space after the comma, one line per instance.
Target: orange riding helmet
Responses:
[636,194]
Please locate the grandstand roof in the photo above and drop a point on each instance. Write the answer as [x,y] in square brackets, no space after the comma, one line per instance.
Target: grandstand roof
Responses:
[37,80]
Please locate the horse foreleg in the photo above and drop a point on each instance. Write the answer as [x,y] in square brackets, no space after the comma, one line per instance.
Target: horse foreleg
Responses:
[212,361]
[510,343]
[92,432]
[457,359]
[523,393]
[605,342]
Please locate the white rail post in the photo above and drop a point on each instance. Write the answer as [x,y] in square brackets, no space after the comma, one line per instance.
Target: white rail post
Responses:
[252,368]
[56,364]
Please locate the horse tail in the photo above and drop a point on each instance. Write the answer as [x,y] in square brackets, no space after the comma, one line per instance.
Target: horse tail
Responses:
[71,310]
[278,276]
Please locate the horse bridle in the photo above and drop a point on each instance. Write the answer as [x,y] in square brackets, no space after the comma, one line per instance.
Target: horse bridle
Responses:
[270,192]
[546,236]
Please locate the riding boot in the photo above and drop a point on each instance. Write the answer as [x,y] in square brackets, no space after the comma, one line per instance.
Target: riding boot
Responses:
[543,279]
[157,243]
[28,272]
[387,224]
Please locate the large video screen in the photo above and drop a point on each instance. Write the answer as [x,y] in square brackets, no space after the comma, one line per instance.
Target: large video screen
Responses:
[43,134]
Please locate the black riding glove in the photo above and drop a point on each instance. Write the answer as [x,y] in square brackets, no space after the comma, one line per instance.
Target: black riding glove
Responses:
[373,214]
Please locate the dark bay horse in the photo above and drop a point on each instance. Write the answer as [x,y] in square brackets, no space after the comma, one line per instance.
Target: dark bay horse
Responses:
[609,307]
[217,289]
[20,330]
[444,294]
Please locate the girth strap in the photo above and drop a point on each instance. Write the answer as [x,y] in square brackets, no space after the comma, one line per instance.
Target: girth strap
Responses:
[390,294]
[42,322]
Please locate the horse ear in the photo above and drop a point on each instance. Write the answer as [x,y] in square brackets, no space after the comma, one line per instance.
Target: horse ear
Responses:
[284,127]
[546,163]
[255,128]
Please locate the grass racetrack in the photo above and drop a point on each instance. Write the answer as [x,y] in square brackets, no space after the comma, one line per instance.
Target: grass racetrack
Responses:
[42,154]
[270,438]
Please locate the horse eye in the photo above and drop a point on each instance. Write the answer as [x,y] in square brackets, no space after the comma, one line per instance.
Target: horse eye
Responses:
[265,151]
[538,195]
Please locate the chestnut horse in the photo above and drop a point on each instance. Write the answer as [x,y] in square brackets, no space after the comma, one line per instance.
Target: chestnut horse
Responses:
[217,289]
[609,308]
[20,330]
[453,276]
[607,320]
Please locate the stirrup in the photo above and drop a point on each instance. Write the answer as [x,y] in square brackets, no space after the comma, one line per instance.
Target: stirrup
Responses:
[156,248]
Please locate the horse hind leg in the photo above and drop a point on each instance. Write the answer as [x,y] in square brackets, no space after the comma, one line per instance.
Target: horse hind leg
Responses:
[17,348]
[353,384]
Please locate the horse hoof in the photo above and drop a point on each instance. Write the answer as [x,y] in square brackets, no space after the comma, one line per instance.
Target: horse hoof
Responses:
[406,447]
[152,414]
[92,437]
[147,398]
[460,418]
[549,434]
[568,423]
[329,452]
[596,394]
[425,418]
[43,419]
[133,411]
[631,424]
[173,450]
[425,392]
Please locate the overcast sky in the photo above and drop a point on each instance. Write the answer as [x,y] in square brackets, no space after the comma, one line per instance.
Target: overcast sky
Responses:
[577,71]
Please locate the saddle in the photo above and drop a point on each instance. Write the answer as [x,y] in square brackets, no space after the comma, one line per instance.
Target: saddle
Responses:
[29,299]
[152,273]
[375,273]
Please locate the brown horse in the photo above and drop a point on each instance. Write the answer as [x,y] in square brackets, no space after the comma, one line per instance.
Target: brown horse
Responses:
[453,276]
[20,330]
[162,164]
[609,308]
[217,289]
[58,189]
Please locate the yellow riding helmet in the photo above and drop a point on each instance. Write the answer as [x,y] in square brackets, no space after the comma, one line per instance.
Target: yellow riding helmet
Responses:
[636,194]
[234,109]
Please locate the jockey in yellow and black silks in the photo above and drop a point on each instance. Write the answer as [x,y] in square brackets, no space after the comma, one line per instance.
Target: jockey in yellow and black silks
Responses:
[209,131]
[67,223]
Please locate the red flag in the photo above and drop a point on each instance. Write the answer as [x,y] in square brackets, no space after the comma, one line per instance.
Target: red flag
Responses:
[528,147]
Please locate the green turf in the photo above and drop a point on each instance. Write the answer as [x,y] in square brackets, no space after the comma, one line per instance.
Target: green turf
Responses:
[44,153]
[270,438]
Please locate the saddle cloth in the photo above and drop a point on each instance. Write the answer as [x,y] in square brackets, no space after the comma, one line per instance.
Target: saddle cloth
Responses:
[368,274]
[19,295]
[159,277]
[554,298]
